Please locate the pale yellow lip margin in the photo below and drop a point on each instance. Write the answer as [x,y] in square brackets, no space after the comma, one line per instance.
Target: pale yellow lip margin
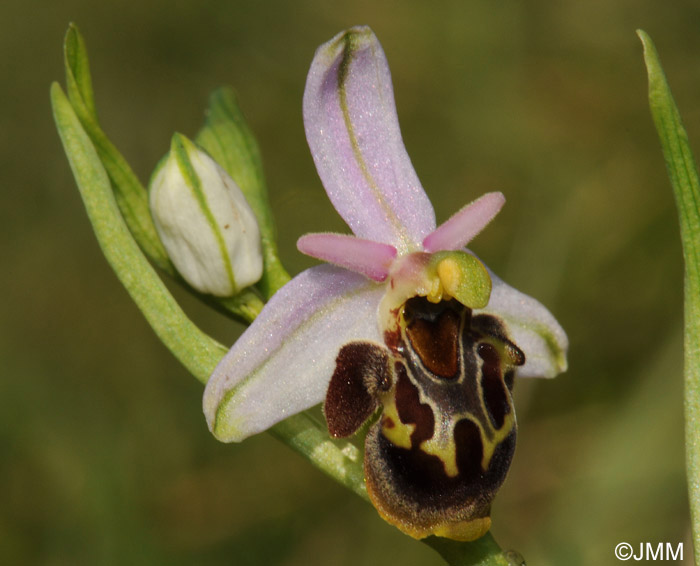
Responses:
[464,531]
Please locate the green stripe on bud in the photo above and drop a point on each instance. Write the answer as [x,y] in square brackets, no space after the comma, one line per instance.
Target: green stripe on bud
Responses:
[204,221]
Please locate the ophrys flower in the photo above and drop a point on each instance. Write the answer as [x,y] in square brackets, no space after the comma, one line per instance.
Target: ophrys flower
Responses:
[405,319]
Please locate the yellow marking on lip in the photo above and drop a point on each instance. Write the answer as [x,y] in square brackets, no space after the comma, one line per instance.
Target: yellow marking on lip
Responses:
[400,433]
[498,436]
[445,451]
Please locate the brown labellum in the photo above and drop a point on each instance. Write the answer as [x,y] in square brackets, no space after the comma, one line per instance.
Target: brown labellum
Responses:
[443,446]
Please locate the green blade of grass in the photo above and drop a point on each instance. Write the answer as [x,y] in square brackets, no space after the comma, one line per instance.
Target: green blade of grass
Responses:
[683,174]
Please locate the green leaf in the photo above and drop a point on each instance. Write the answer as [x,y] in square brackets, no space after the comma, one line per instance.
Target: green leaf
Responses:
[77,64]
[130,194]
[228,139]
[196,351]
[686,187]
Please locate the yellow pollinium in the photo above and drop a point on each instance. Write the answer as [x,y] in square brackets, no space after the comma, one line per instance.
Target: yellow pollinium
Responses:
[461,276]
[439,276]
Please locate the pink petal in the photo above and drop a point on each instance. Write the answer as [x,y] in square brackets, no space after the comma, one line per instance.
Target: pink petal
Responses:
[461,228]
[353,132]
[362,256]
[283,362]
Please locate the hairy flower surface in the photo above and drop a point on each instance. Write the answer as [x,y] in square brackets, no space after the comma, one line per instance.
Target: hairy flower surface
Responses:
[401,307]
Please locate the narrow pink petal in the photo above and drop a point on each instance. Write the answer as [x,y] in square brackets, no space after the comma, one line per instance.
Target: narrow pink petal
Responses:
[362,256]
[459,230]
[283,362]
[353,132]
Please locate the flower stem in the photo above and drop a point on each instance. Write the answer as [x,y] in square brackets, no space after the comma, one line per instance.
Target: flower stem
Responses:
[341,460]
[482,552]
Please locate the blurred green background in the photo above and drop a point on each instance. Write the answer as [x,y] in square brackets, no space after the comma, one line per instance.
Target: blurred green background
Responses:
[105,457]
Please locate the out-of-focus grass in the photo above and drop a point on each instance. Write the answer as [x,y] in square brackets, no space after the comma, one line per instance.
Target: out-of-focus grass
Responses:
[104,453]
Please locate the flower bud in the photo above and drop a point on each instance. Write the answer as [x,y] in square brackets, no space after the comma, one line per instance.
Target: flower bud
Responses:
[204,221]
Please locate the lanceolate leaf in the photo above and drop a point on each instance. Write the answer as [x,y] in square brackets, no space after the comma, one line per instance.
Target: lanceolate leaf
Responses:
[78,67]
[129,192]
[686,187]
[198,352]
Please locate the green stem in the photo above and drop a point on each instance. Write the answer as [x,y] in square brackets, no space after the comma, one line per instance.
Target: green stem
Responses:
[341,460]
[683,174]
[482,552]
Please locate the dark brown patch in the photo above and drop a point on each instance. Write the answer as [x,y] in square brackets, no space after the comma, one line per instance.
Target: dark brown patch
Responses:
[470,450]
[410,409]
[492,385]
[415,471]
[492,326]
[360,369]
[436,341]
[410,478]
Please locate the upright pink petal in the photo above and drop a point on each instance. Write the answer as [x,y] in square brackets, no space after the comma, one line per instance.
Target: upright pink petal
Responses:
[353,132]
[458,231]
[372,259]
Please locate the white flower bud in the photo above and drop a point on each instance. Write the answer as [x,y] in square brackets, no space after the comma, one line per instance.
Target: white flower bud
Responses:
[204,221]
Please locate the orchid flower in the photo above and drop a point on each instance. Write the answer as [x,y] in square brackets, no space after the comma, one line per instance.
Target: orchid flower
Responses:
[349,319]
